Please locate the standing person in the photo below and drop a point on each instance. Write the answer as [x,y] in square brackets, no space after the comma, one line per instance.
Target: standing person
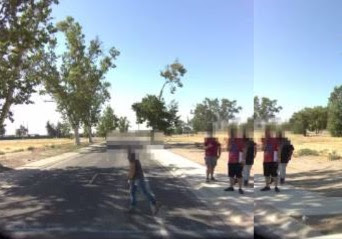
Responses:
[212,153]
[136,179]
[249,153]
[235,161]
[285,153]
[270,148]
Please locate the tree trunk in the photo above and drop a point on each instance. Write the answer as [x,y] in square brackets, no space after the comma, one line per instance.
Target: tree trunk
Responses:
[161,91]
[90,137]
[6,107]
[77,136]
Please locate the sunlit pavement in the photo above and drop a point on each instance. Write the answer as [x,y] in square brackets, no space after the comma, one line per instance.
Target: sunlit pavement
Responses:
[86,196]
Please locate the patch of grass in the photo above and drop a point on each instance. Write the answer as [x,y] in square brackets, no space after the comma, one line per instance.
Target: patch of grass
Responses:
[52,146]
[31,148]
[307,152]
[2,153]
[17,150]
[334,156]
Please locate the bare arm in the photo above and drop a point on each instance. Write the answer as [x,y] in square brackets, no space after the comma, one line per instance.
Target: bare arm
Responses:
[131,170]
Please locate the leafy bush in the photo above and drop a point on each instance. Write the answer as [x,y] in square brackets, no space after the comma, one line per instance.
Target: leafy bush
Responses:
[334,156]
[31,148]
[307,152]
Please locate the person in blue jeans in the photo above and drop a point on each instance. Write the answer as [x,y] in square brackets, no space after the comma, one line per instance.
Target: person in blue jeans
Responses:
[136,179]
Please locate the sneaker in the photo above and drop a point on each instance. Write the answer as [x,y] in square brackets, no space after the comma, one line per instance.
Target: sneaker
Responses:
[241,191]
[155,208]
[229,189]
[131,209]
[213,179]
[245,183]
[207,180]
[276,189]
[266,188]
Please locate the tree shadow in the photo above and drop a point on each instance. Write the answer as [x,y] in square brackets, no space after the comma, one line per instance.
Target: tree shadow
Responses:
[92,202]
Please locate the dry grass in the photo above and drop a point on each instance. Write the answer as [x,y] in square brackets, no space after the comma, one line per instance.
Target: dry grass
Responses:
[12,146]
[323,143]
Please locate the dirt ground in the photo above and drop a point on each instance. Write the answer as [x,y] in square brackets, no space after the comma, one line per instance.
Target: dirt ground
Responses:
[314,173]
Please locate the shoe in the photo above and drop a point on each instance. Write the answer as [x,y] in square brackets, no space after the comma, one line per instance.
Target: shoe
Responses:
[131,209]
[229,189]
[282,180]
[207,180]
[245,183]
[155,208]
[266,188]
[241,191]
[276,189]
[213,179]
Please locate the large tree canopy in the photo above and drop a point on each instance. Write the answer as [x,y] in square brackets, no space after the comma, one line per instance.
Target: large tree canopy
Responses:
[266,109]
[25,28]
[335,112]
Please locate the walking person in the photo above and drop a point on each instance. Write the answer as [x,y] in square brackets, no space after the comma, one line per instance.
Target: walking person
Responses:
[270,164]
[136,179]
[235,161]
[212,153]
[249,153]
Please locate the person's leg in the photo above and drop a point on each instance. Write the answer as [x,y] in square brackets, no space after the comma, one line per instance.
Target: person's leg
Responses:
[132,192]
[213,165]
[208,164]
[281,172]
[275,176]
[239,176]
[267,177]
[147,192]
[231,178]
[285,165]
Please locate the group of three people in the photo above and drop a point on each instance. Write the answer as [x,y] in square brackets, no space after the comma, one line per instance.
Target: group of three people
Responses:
[241,153]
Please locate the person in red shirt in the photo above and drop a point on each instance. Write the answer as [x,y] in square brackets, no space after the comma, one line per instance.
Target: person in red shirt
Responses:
[270,147]
[212,149]
[235,160]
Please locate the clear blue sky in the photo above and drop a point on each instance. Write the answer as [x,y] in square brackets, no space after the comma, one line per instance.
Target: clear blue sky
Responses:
[297,51]
[287,50]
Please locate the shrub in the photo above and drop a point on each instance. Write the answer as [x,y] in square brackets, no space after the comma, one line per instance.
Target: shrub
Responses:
[334,156]
[31,148]
[307,152]
[2,153]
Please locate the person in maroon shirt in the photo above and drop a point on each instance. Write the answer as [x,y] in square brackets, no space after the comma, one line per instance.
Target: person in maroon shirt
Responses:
[212,149]
[235,160]
[270,165]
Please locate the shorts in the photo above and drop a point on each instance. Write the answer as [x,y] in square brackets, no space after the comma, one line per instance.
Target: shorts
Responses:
[270,169]
[210,161]
[235,169]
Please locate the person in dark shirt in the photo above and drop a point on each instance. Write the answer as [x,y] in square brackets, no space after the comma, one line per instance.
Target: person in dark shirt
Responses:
[249,154]
[285,150]
[136,179]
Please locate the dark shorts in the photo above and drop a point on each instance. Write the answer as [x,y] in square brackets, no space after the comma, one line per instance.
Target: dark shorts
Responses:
[235,170]
[210,161]
[270,169]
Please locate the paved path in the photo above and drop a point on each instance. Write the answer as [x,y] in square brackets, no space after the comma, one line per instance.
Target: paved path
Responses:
[86,196]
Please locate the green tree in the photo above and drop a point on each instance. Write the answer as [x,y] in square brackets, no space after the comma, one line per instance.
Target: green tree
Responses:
[22,131]
[212,111]
[95,88]
[123,124]
[335,112]
[266,109]
[300,121]
[318,118]
[51,129]
[107,122]
[156,114]
[78,85]
[25,29]
[172,75]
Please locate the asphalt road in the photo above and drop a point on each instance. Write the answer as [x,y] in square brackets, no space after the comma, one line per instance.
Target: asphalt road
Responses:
[87,197]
